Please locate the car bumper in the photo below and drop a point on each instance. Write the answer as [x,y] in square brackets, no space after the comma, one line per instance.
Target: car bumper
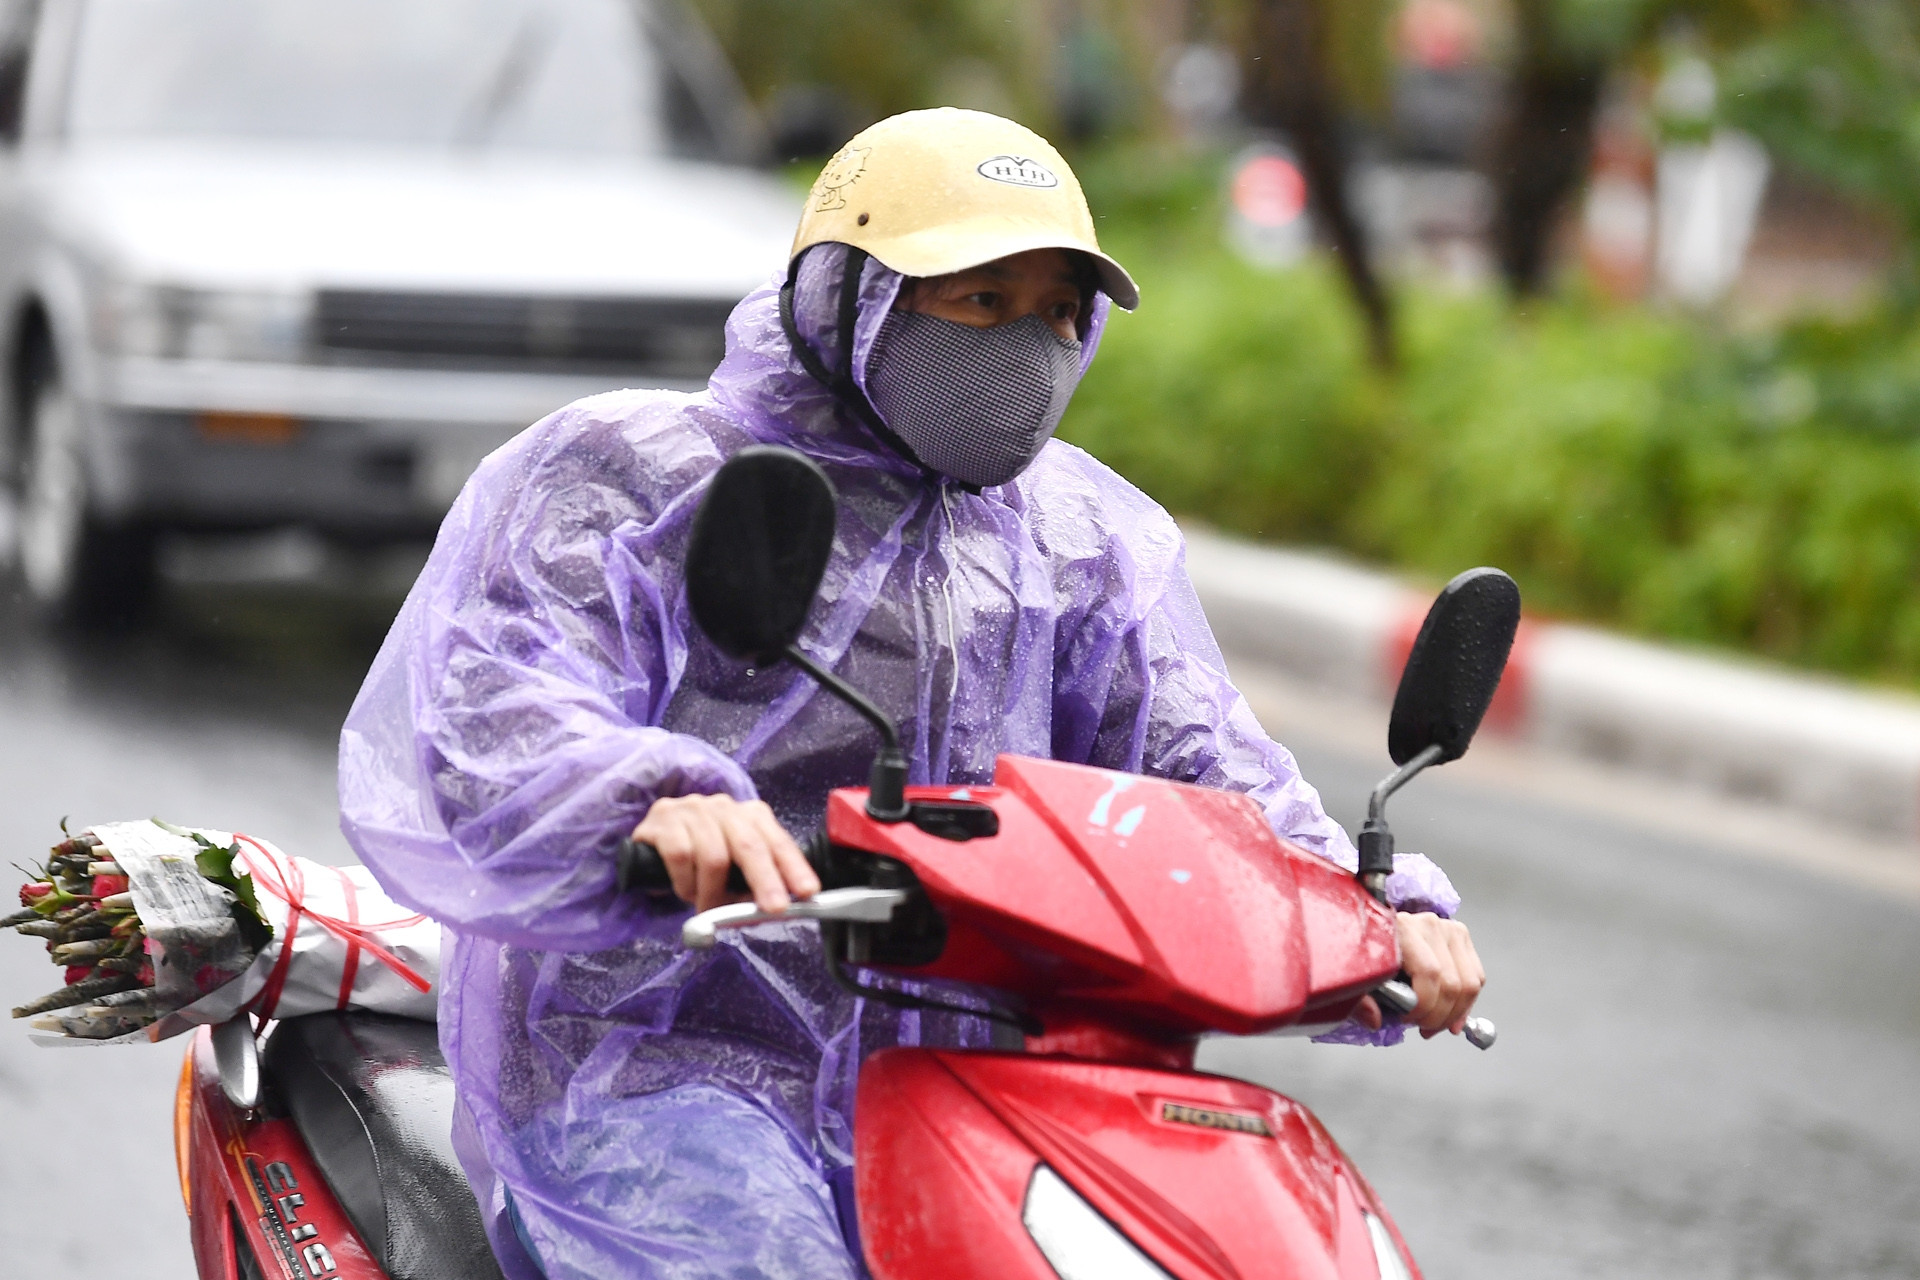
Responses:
[369,451]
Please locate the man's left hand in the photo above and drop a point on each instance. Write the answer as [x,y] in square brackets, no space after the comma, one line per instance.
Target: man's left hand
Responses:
[1442,967]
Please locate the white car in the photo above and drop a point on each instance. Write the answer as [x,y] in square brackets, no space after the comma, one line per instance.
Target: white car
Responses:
[306,262]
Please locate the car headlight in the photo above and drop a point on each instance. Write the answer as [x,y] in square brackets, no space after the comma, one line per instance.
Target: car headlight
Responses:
[169,322]
[1386,1254]
[1078,1243]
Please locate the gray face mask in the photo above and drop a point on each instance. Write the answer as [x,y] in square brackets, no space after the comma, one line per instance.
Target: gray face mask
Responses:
[973,404]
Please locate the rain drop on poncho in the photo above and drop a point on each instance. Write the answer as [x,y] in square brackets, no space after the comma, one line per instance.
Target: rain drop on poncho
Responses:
[645,1110]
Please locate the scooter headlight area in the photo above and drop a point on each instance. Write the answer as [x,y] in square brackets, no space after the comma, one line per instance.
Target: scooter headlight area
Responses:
[1080,1244]
[1386,1254]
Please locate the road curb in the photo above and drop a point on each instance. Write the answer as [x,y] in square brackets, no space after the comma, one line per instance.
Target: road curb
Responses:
[1815,745]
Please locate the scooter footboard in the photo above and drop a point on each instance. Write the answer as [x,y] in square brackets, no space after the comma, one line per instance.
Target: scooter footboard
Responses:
[1197,1176]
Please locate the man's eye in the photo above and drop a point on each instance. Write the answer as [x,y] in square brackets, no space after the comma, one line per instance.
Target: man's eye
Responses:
[991,301]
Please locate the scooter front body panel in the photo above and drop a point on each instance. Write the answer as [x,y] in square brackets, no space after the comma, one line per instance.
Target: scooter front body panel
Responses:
[1214,1179]
[253,1176]
[1154,903]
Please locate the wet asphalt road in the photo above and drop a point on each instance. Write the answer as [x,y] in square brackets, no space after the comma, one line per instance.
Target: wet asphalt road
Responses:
[1709,1065]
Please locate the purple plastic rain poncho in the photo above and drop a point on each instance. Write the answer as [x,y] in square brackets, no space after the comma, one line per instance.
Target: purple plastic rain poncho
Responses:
[655,1112]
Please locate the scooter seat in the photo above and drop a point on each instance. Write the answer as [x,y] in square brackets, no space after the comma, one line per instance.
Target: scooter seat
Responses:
[373,1099]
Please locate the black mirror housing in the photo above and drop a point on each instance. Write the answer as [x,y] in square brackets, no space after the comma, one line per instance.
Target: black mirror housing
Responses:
[1450,677]
[1455,666]
[760,545]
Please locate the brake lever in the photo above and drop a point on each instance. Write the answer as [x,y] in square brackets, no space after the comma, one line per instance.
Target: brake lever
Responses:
[858,906]
[1397,997]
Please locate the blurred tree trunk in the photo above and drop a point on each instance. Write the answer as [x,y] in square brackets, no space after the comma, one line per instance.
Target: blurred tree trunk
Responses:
[1291,85]
[1543,145]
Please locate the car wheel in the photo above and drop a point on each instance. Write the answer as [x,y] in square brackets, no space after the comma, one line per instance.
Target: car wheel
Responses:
[75,566]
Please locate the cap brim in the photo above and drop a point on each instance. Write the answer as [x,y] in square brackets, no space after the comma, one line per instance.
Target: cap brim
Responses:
[1114,281]
[943,250]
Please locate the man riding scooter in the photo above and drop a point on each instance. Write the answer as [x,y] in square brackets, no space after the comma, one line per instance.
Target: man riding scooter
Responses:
[627,1107]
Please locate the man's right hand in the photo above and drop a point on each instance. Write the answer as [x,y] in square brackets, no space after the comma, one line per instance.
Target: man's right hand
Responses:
[700,837]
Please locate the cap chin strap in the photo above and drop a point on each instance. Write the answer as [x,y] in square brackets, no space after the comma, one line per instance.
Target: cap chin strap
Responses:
[840,382]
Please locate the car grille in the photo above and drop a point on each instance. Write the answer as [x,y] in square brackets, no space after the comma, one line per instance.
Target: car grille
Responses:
[672,338]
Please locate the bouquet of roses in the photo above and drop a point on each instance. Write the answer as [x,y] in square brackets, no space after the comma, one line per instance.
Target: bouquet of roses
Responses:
[160,928]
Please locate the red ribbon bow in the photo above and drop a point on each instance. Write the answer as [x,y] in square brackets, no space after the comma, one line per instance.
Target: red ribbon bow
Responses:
[291,888]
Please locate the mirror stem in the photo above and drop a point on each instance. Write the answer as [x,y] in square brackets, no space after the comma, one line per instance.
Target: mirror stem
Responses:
[1377,802]
[887,785]
[1376,839]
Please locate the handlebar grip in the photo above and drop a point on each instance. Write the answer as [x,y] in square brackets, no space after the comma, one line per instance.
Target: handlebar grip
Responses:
[639,868]
[1396,996]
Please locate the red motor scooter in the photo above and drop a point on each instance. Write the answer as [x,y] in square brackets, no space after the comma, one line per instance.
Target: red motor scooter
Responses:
[1113,919]
[1117,919]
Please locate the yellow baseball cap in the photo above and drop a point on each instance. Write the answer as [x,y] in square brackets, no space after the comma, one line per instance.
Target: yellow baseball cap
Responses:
[933,192]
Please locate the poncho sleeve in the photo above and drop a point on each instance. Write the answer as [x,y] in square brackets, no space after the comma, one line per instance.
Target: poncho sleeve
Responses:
[507,737]
[1140,683]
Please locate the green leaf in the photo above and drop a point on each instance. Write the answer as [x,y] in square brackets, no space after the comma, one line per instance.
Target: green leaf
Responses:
[216,864]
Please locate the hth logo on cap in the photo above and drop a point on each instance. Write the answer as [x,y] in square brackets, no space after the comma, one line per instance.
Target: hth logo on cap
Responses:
[1018,171]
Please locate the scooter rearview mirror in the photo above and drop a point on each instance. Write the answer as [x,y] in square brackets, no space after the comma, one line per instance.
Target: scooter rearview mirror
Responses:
[1448,683]
[760,545]
[1454,666]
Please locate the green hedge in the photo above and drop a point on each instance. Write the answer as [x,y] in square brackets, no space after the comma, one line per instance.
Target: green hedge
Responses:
[1628,467]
